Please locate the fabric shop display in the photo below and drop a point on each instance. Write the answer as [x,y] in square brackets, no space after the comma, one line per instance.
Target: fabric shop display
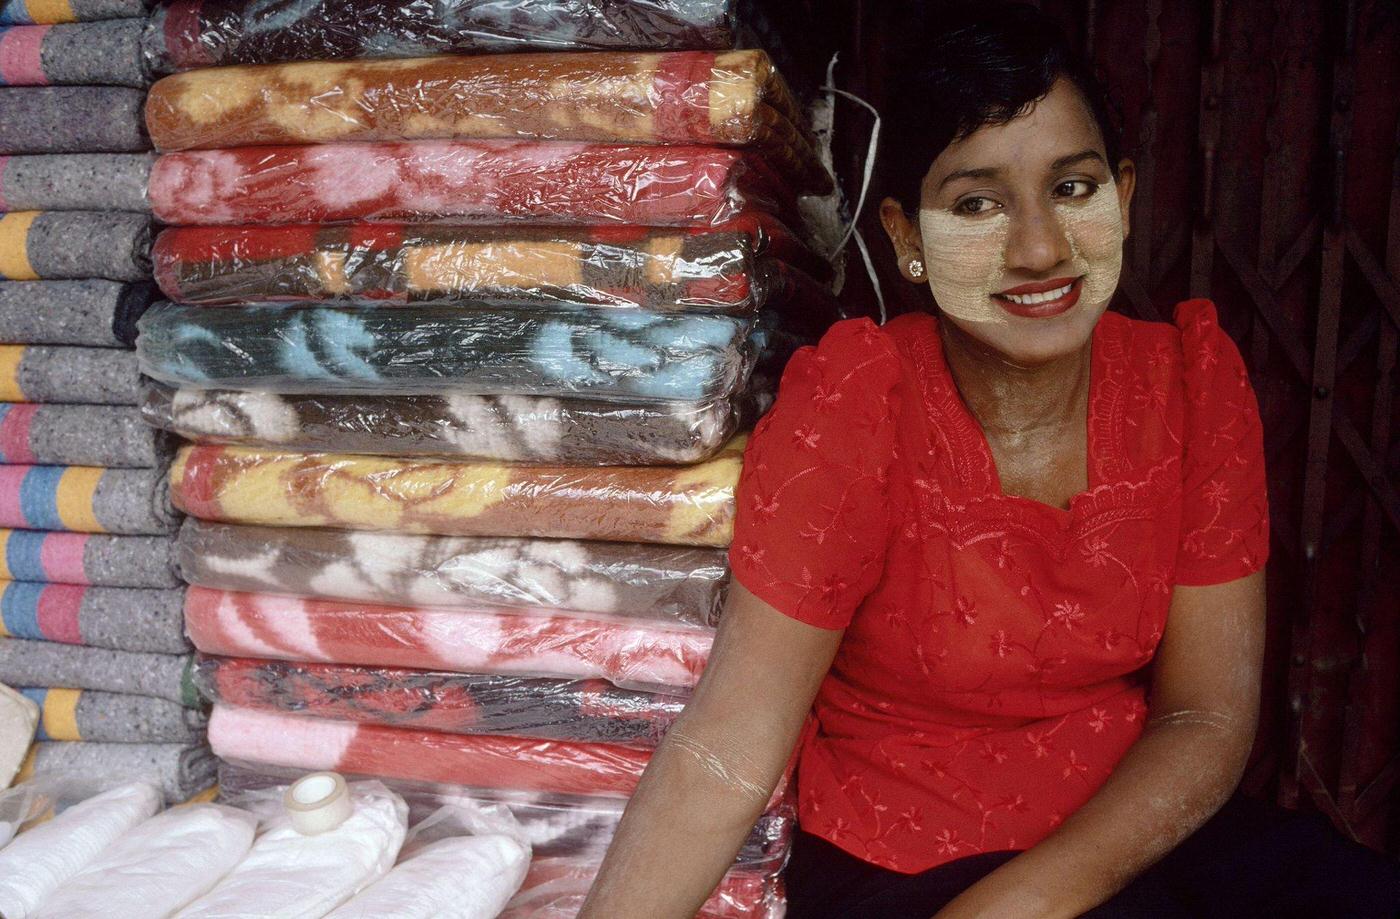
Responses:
[85,499]
[689,97]
[543,182]
[117,618]
[92,311]
[110,717]
[75,181]
[517,429]
[476,761]
[687,505]
[75,244]
[632,654]
[47,664]
[180,770]
[21,12]
[86,558]
[87,376]
[578,711]
[76,54]
[72,119]
[79,435]
[666,583]
[188,34]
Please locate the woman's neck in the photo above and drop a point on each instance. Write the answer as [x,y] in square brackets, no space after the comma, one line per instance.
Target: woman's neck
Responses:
[1011,401]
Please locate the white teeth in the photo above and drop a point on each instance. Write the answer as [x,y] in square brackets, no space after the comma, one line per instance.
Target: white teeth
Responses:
[1046,297]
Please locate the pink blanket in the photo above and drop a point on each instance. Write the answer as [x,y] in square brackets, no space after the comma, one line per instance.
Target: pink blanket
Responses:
[633,654]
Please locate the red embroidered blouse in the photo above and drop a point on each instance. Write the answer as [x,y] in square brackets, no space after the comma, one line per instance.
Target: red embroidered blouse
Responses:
[991,674]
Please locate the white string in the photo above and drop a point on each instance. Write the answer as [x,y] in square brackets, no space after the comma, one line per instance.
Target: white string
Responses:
[868,173]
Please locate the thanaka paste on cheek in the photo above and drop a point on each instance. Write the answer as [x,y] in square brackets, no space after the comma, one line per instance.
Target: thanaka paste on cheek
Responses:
[966,257]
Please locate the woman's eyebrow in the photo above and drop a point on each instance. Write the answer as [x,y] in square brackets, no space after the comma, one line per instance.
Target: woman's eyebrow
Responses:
[985,172]
[1073,158]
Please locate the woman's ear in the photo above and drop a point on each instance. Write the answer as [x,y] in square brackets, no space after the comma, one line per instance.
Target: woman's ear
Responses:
[908,242]
[1127,179]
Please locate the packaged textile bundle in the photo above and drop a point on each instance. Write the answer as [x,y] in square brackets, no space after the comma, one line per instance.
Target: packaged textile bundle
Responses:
[483,181]
[105,52]
[110,717]
[577,711]
[85,499]
[641,654]
[75,244]
[118,618]
[54,665]
[79,435]
[94,311]
[72,119]
[48,12]
[90,376]
[727,99]
[76,182]
[86,558]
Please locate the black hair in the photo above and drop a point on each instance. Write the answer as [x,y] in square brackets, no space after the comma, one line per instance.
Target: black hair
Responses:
[962,69]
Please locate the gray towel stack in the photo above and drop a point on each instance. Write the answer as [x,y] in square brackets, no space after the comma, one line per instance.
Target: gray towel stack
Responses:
[91,546]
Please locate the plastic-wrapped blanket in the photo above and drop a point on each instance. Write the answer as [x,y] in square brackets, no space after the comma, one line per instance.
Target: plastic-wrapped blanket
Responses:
[118,618]
[109,717]
[75,182]
[480,761]
[40,861]
[93,311]
[75,244]
[544,182]
[578,711]
[424,350]
[81,54]
[555,888]
[79,435]
[689,97]
[181,770]
[19,12]
[471,877]
[516,429]
[158,867]
[690,505]
[71,119]
[187,34]
[632,654]
[85,499]
[668,583]
[86,558]
[556,826]
[292,876]
[50,664]
[712,270]
[88,376]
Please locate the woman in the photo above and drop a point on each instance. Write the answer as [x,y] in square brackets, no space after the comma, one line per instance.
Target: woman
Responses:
[1009,553]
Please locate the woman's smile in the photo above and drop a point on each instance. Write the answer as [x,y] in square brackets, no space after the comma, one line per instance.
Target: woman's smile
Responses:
[1041,299]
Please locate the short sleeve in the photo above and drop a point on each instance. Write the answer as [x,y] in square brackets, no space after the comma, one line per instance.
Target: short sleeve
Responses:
[1225,506]
[812,520]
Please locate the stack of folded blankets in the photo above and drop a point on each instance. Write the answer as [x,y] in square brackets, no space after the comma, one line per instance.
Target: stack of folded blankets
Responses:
[90,604]
[465,344]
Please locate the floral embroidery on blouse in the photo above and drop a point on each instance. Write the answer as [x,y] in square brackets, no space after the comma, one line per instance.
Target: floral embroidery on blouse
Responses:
[992,670]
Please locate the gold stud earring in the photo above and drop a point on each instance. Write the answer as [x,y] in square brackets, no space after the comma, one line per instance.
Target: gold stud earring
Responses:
[916,267]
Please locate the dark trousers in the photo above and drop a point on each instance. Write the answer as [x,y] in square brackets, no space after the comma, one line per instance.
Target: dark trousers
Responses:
[1250,860]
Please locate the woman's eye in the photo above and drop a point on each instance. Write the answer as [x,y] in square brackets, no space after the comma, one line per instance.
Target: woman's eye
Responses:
[974,205]
[1076,188]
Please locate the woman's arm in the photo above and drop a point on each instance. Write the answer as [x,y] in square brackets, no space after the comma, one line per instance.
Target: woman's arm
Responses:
[712,776]
[1201,720]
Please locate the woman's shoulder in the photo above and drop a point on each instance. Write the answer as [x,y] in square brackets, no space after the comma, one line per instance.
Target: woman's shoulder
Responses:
[1193,343]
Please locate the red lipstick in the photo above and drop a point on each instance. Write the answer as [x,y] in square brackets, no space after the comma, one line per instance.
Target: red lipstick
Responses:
[1030,300]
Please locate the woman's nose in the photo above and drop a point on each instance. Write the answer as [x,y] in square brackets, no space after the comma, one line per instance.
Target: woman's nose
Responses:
[1037,242]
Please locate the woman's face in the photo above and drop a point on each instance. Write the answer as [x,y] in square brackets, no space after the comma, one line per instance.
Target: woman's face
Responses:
[1020,230]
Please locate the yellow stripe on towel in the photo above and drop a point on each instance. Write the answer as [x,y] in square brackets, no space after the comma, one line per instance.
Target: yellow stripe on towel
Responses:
[50,11]
[14,249]
[77,489]
[61,714]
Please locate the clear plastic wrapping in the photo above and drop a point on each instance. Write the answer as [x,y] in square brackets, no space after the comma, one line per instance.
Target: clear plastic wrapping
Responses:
[85,499]
[80,435]
[731,98]
[478,761]
[102,53]
[429,350]
[188,34]
[118,618]
[637,654]
[556,826]
[726,269]
[556,889]
[678,584]
[576,711]
[89,376]
[488,181]
[682,505]
[513,429]
[76,182]
[75,244]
